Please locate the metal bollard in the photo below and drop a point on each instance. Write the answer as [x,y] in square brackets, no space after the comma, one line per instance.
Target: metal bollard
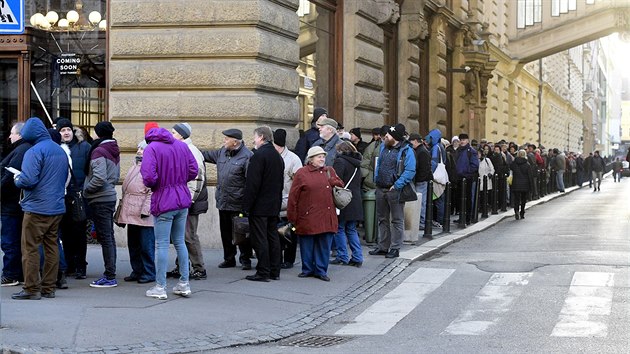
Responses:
[462,204]
[428,214]
[495,195]
[484,206]
[475,207]
[447,209]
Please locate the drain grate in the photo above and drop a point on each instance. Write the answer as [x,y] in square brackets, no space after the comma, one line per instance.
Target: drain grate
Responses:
[314,341]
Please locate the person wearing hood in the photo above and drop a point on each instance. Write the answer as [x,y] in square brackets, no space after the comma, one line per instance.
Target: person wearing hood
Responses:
[43,176]
[73,232]
[310,136]
[395,168]
[11,213]
[423,173]
[328,139]
[348,167]
[199,193]
[522,181]
[438,154]
[135,214]
[103,172]
[167,167]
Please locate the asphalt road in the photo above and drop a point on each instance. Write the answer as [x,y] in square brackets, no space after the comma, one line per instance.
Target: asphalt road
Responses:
[555,282]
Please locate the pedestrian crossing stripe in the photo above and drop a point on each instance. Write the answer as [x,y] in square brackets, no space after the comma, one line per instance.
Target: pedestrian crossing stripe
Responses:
[6,14]
[586,310]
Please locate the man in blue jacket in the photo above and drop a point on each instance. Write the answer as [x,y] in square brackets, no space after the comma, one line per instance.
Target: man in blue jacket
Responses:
[43,181]
[438,154]
[395,167]
[467,167]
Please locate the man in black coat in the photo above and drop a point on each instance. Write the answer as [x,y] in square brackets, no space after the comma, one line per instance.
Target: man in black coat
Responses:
[423,173]
[12,214]
[262,202]
[310,136]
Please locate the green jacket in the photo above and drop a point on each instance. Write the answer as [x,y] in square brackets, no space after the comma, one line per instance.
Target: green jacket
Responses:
[367,164]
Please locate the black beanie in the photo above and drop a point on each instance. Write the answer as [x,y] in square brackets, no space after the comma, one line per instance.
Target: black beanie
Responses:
[317,113]
[64,123]
[397,132]
[54,135]
[280,137]
[356,131]
[104,130]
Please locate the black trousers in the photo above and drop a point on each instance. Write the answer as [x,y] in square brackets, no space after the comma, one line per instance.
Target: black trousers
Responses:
[519,199]
[288,249]
[265,240]
[74,244]
[229,250]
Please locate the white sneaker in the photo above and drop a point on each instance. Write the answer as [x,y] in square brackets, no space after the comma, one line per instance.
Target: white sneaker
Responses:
[182,289]
[158,292]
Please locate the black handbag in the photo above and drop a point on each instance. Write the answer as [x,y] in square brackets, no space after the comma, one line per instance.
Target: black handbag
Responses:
[407,194]
[240,229]
[75,205]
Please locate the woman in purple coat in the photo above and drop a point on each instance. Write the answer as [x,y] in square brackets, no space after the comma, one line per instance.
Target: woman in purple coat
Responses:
[167,166]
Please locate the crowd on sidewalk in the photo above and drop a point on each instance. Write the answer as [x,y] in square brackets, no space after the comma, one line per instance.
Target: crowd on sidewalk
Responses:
[54,180]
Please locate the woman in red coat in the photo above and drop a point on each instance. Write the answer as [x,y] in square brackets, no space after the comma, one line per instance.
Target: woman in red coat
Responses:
[312,210]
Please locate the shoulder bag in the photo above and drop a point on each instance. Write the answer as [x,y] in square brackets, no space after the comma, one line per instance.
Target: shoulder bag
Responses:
[408,192]
[440,175]
[341,196]
[75,205]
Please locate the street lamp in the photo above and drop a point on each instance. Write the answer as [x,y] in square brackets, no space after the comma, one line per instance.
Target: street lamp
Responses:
[75,20]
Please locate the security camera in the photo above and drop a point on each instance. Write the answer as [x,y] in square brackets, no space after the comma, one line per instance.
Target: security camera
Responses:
[478,41]
[466,68]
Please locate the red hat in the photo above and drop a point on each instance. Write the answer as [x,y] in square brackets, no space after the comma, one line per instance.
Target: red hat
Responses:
[149,126]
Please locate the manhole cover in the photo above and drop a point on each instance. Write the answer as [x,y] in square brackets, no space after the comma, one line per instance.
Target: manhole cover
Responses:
[314,341]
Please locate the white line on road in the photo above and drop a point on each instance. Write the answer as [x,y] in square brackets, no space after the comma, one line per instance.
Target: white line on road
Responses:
[490,304]
[587,306]
[384,314]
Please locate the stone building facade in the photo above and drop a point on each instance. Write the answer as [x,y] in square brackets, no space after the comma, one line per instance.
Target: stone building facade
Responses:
[447,64]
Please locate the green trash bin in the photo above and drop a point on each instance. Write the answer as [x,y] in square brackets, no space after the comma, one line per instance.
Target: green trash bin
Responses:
[369,216]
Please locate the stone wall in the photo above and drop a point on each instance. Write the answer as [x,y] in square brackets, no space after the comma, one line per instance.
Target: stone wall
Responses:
[216,64]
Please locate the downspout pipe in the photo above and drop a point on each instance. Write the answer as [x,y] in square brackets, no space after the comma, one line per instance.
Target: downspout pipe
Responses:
[540,93]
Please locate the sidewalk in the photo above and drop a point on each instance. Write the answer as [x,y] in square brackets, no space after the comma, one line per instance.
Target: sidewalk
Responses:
[224,310]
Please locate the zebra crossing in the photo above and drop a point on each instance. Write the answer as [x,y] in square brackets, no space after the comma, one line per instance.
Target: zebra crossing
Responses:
[586,310]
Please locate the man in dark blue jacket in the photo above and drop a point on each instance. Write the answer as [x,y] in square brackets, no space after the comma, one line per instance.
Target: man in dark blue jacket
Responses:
[43,181]
[12,215]
[311,135]
[467,167]
[395,167]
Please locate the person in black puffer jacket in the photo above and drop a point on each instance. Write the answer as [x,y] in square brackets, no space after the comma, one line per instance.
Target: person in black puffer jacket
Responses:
[347,163]
[522,182]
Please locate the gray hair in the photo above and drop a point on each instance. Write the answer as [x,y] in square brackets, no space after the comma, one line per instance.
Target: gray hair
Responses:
[264,132]
[18,127]
[521,153]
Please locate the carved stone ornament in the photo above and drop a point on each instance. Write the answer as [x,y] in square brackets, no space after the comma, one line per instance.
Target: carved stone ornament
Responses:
[418,26]
[622,19]
[389,11]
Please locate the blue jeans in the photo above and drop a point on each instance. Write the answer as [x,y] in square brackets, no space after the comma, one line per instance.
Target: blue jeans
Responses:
[63,265]
[439,204]
[560,180]
[171,226]
[315,253]
[11,235]
[141,243]
[347,233]
[421,187]
[103,218]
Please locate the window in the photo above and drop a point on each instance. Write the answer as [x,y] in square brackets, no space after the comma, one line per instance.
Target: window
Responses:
[68,60]
[319,64]
[528,12]
[563,6]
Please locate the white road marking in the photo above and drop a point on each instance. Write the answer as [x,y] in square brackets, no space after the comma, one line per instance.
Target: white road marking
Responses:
[490,304]
[384,314]
[587,306]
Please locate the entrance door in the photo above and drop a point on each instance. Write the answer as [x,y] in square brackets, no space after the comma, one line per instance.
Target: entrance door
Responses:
[9,88]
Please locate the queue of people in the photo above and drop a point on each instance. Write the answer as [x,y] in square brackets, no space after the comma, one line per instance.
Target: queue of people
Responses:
[165,192]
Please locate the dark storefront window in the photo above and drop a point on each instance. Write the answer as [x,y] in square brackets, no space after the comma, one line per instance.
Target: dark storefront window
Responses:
[68,59]
[317,68]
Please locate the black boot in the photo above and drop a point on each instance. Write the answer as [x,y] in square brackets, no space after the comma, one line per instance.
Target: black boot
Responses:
[61,281]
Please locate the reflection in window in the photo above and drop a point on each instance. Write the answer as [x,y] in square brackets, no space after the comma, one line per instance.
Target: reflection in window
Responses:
[68,59]
[315,42]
